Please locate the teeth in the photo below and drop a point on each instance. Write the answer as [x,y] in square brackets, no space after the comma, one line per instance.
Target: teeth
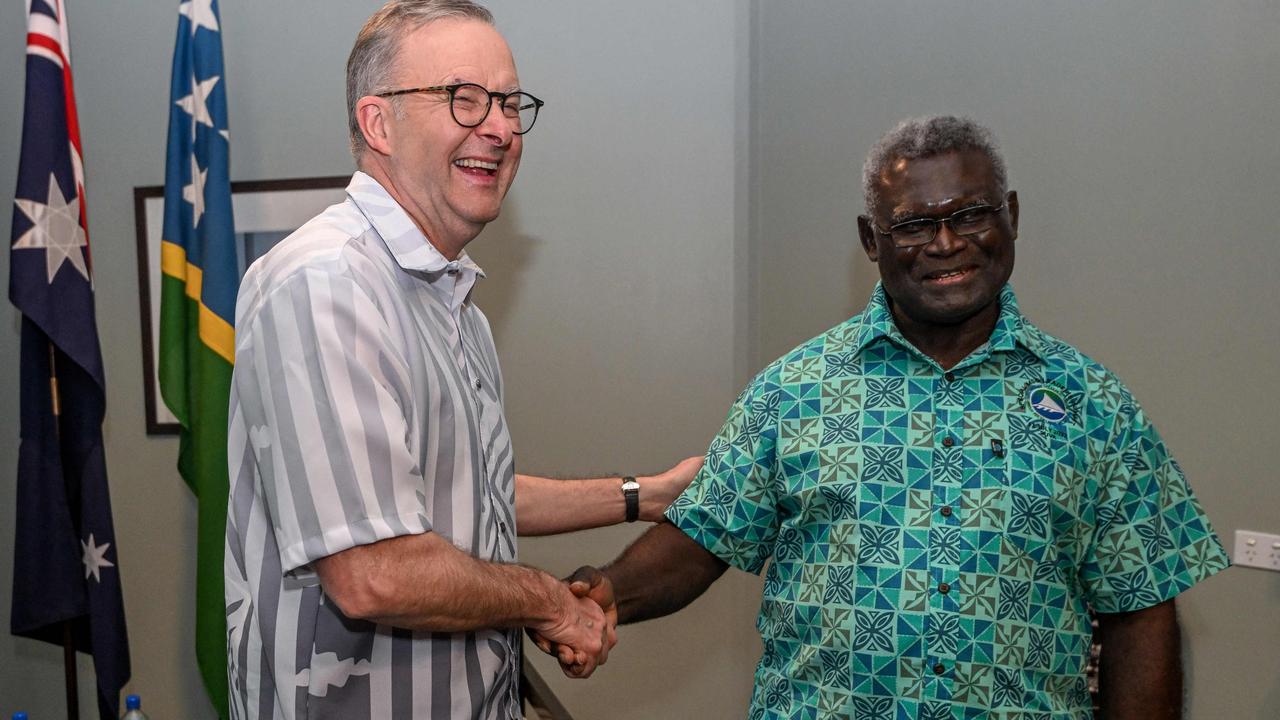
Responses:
[470,163]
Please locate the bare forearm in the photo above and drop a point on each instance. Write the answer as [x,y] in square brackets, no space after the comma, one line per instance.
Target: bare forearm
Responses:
[474,594]
[545,506]
[422,582]
[660,573]
[1141,665]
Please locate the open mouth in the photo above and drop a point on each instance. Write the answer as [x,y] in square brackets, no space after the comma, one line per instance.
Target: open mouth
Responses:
[944,277]
[477,167]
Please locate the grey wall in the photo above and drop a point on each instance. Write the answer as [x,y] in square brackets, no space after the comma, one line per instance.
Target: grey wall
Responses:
[613,292]
[612,288]
[685,213]
[1140,139]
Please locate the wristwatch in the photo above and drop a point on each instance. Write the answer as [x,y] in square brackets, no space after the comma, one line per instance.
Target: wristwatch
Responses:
[631,493]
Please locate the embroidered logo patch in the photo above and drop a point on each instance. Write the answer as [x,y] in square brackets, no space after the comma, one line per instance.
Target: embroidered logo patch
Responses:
[1047,402]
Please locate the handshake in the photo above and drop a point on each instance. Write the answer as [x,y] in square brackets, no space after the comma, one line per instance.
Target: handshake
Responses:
[584,625]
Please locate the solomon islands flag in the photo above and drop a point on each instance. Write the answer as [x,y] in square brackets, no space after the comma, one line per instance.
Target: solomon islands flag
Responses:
[199,280]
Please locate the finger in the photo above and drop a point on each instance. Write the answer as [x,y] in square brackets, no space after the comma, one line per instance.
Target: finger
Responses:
[539,640]
[565,655]
[583,670]
[585,574]
[605,645]
[581,584]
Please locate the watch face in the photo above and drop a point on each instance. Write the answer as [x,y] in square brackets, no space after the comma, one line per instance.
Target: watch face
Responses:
[631,485]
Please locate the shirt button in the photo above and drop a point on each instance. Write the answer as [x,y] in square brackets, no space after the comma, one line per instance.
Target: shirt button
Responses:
[939,669]
[948,441]
[944,588]
[949,377]
[946,511]
[478,384]
[502,526]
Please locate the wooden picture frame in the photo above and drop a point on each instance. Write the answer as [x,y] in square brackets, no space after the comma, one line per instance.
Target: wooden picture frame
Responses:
[265,211]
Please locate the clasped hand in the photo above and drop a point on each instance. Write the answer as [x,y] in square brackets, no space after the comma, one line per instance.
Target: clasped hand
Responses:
[587,627]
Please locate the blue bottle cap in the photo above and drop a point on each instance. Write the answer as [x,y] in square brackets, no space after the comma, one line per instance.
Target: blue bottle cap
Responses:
[19,715]
[133,702]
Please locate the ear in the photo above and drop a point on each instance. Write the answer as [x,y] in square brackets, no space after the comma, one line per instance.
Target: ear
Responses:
[374,114]
[1012,199]
[867,235]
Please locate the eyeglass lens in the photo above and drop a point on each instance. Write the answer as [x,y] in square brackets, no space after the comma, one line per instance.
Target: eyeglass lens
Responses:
[965,222]
[471,105]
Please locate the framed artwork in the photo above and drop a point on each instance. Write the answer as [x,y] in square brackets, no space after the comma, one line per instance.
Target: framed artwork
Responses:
[265,212]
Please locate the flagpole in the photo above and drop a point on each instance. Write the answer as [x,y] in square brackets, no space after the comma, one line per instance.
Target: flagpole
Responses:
[68,638]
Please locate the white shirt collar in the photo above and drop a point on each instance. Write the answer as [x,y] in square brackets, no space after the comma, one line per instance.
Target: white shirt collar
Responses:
[406,242]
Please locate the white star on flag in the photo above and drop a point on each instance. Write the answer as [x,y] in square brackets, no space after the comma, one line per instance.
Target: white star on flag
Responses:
[201,14]
[194,193]
[56,230]
[94,558]
[195,103]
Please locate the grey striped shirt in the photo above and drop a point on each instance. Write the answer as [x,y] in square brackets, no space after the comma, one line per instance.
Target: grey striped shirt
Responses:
[366,404]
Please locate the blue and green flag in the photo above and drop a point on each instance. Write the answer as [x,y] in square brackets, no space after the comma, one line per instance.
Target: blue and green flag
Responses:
[197,308]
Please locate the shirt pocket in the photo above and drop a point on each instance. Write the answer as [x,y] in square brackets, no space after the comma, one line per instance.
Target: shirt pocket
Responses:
[1034,478]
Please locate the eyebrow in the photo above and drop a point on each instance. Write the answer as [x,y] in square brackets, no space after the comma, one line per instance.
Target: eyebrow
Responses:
[459,80]
[897,219]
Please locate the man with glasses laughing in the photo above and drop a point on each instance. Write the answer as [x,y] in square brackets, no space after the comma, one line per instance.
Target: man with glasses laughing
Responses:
[942,489]
[374,505]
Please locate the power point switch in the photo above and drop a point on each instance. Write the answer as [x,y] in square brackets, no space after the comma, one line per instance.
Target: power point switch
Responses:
[1257,550]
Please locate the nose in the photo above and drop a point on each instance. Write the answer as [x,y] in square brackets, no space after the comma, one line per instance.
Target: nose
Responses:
[496,128]
[946,241]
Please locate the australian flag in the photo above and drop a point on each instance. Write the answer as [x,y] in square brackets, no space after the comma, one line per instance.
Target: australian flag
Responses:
[65,570]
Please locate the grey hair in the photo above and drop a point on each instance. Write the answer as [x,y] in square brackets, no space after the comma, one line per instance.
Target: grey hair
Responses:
[922,137]
[374,58]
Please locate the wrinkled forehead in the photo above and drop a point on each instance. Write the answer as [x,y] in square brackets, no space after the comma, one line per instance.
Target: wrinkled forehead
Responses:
[937,182]
[456,50]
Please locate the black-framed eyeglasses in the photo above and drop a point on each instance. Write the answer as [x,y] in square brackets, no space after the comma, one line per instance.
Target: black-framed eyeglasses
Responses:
[921,231]
[469,104]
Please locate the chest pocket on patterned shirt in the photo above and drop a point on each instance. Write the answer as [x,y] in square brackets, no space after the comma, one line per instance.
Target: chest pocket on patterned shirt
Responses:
[1032,480]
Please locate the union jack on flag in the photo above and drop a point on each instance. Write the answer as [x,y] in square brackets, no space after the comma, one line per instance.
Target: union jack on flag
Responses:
[65,574]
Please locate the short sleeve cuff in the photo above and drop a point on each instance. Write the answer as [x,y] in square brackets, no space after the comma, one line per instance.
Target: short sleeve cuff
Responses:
[707,530]
[296,559]
[1149,585]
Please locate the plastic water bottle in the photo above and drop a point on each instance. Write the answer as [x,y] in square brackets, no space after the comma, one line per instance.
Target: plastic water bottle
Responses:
[133,709]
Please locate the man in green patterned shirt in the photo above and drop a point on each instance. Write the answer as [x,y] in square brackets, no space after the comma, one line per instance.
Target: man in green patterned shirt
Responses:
[943,489]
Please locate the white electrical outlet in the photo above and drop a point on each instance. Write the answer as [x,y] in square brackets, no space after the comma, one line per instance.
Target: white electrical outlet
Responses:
[1257,550]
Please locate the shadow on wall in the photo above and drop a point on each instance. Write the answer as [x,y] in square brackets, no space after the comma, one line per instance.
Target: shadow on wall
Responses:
[506,254]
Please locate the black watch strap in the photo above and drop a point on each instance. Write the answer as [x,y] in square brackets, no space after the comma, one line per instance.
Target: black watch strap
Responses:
[631,494]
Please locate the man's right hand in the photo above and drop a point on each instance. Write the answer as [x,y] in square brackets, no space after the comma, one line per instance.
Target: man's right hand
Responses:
[590,585]
[580,635]
[589,582]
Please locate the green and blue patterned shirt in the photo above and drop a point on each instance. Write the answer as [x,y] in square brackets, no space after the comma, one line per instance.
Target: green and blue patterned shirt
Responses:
[936,536]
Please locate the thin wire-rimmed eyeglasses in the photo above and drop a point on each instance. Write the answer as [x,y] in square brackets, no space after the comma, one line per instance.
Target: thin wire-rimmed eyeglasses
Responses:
[922,231]
[469,104]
